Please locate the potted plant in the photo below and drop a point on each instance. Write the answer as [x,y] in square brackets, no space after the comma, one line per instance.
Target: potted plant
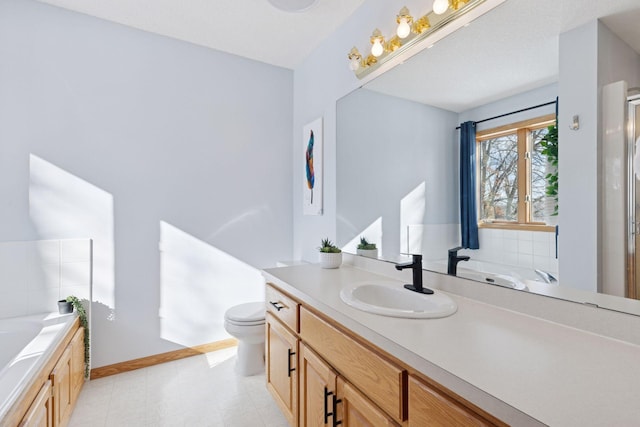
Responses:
[330,255]
[65,307]
[367,249]
[84,322]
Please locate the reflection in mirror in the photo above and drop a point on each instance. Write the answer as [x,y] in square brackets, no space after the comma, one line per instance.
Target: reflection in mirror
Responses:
[398,148]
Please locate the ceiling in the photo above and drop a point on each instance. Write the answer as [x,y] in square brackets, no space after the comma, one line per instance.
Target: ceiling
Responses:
[253,29]
[512,49]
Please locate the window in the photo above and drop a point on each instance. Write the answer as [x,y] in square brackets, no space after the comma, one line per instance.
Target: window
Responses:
[512,173]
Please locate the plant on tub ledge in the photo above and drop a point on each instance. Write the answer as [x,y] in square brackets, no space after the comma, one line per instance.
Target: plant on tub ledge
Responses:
[330,255]
[82,314]
[367,249]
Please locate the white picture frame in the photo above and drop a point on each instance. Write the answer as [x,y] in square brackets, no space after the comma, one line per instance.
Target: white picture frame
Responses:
[312,163]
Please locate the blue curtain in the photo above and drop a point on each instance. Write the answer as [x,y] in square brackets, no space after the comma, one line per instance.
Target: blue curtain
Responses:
[468,211]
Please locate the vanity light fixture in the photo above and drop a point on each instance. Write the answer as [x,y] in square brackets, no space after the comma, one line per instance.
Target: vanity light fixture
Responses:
[354,59]
[404,20]
[377,41]
[410,32]
[440,6]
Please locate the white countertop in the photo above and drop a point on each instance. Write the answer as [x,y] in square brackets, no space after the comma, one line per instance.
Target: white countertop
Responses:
[522,369]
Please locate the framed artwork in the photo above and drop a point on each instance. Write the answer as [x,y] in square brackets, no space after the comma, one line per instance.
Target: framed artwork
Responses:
[312,168]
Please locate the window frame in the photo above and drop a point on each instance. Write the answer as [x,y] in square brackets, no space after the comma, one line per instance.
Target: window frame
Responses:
[522,130]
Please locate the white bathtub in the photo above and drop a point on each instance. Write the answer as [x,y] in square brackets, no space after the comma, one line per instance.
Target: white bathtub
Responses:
[25,345]
[488,272]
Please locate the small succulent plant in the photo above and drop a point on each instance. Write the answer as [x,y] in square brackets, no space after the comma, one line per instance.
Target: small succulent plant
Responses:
[364,244]
[328,247]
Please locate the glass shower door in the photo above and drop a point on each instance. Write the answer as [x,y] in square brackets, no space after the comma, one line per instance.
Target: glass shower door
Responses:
[633,262]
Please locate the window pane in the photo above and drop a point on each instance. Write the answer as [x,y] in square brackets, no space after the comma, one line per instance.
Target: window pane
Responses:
[499,178]
[539,170]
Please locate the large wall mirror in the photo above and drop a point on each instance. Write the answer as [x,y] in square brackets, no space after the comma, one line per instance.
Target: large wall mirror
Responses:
[398,146]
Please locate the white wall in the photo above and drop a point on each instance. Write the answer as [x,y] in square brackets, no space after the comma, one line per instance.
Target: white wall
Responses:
[578,157]
[174,159]
[591,56]
[538,96]
[398,172]
[319,82]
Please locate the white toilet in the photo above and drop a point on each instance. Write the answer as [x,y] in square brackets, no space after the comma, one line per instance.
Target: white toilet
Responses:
[245,322]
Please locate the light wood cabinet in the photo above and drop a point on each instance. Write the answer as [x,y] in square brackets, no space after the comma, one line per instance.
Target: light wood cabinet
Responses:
[317,390]
[281,367]
[327,399]
[383,381]
[430,407]
[50,396]
[356,410]
[40,413]
[61,383]
[346,381]
[77,364]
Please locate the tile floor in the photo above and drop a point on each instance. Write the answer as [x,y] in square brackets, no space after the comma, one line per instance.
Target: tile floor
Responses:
[197,391]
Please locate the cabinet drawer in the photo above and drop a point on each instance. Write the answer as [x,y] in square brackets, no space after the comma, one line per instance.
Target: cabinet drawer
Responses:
[282,307]
[382,381]
[429,407]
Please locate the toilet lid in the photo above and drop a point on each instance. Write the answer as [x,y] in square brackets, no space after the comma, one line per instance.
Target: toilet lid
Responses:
[252,312]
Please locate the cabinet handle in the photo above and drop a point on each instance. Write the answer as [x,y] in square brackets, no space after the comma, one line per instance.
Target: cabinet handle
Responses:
[336,423]
[277,305]
[289,368]
[327,414]
[334,405]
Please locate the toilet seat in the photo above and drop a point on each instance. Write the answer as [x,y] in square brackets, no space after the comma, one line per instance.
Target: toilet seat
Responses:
[248,314]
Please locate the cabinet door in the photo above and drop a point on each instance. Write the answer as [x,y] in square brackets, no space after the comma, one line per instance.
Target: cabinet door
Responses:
[40,412]
[77,364]
[61,382]
[317,390]
[281,367]
[355,410]
[428,407]
[380,379]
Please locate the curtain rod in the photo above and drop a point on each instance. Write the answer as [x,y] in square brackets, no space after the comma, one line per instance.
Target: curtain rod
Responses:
[515,112]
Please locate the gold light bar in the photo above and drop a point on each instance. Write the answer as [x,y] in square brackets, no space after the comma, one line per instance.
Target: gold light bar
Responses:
[420,29]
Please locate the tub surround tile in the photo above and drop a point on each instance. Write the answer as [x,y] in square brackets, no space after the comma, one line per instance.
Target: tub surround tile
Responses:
[75,250]
[32,273]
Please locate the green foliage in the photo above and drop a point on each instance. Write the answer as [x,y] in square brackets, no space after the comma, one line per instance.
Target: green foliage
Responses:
[328,247]
[550,149]
[82,314]
[364,244]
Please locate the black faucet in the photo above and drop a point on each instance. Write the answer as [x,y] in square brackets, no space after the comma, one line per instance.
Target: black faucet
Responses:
[416,266]
[454,259]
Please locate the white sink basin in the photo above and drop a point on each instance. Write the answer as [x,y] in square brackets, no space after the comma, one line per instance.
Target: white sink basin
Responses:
[396,301]
[493,279]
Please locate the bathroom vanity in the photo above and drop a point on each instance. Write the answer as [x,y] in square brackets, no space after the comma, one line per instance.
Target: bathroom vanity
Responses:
[328,363]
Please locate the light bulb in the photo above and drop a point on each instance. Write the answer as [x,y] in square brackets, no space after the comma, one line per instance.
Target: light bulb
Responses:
[354,64]
[403,28]
[377,48]
[440,6]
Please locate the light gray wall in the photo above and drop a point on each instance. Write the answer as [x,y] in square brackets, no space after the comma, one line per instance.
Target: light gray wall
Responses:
[174,158]
[579,184]
[538,96]
[319,82]
[410,154]
[591,57]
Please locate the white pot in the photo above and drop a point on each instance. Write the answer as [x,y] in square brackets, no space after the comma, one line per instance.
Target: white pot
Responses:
[330,260]
[369,253]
